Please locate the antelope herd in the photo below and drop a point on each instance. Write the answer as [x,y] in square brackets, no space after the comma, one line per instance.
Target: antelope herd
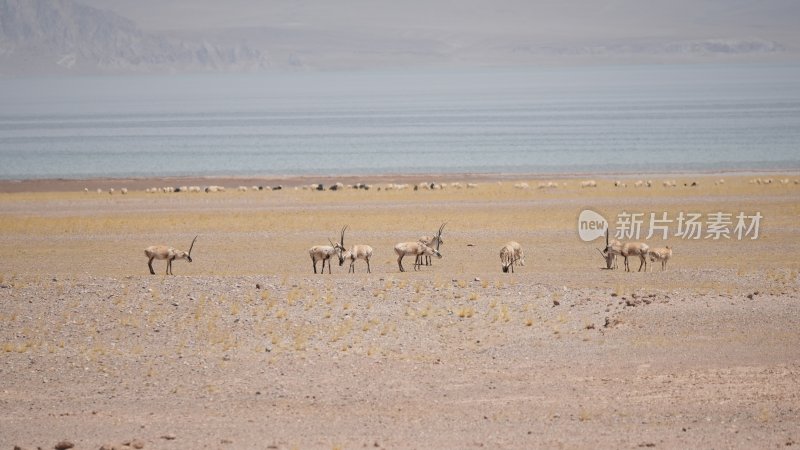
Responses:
[641,250]
[423,248]
[511,254]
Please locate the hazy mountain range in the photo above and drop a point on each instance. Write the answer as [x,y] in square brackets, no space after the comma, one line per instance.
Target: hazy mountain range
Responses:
[150,36]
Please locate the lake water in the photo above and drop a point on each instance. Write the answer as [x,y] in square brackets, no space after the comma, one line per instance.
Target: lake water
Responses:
[532,120]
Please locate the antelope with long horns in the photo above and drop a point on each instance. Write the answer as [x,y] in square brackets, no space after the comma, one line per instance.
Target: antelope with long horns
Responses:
[511,254]
[356,252]
[433,242]
[325,252]
[413,248]
[168,253]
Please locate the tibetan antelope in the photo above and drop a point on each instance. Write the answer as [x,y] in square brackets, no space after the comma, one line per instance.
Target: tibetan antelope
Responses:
[325,252]
[511,254]
[662,254]
[627,249]
[413,248]
[431,241]
[168,253]
[356,252]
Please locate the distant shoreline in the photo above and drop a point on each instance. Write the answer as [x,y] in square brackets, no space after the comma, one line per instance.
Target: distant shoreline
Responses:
[141,183]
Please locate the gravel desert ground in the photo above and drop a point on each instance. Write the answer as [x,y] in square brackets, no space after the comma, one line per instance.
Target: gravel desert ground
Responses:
[245,347]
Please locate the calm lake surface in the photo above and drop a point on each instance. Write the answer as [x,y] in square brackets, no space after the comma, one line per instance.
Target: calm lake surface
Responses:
[532,120]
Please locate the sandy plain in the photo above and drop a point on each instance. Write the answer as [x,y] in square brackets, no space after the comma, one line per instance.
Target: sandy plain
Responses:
[246,348]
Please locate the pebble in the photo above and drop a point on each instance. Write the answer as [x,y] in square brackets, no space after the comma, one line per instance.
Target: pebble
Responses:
[64,445]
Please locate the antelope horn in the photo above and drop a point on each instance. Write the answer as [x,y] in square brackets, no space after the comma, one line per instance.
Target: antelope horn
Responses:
[190,247]
[601,253]
[329,240]
[341,241]
[439,236]
[606,236]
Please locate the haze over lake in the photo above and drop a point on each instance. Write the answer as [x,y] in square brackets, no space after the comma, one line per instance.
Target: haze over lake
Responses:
[646,118]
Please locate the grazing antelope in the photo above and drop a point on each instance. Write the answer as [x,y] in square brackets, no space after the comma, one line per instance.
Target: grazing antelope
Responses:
[325,252]
[510,254]
[627,249]
[431,241]
[662,254]
[356,252]
[413,248]
[168,253]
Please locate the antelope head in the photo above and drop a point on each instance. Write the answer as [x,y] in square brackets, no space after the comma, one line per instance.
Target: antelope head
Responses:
[340,246]
[511,261]
[188,255]
[605,250]
[439,236]
[606,253]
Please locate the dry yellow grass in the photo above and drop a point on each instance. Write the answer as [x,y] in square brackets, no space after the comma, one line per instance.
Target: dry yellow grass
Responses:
[269,233]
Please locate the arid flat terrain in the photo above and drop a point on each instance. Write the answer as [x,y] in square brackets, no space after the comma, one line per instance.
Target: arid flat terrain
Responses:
[245,347]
